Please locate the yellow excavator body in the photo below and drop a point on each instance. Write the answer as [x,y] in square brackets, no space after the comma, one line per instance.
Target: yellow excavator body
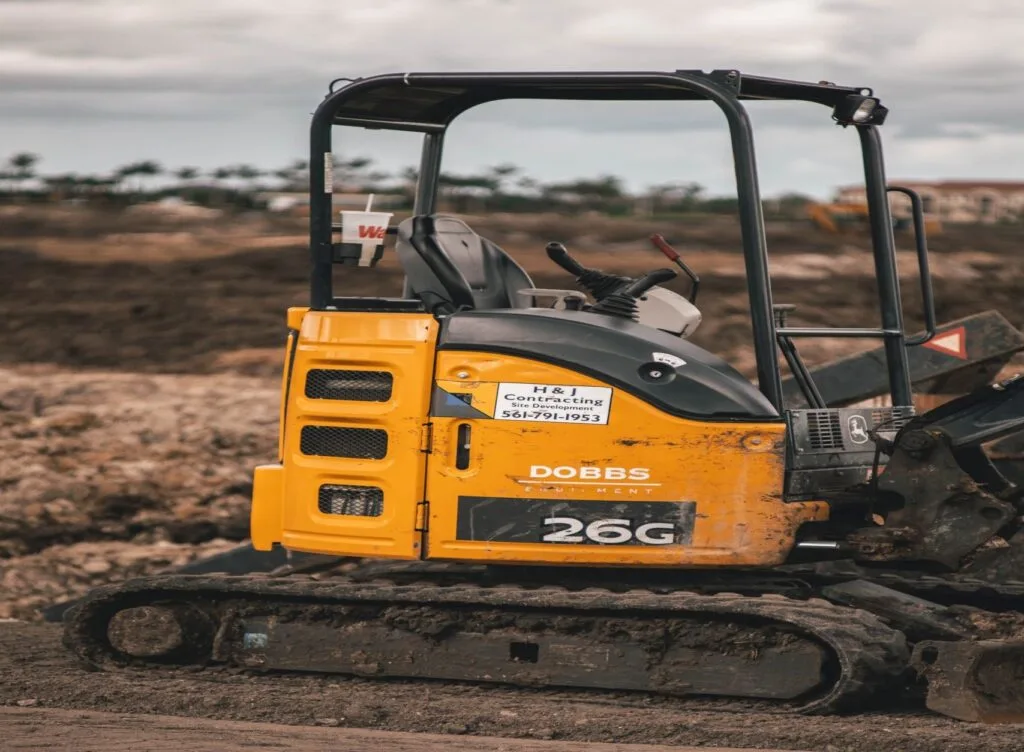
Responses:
[539,463]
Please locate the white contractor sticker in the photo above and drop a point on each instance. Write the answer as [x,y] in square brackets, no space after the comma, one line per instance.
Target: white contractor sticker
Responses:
[551,403]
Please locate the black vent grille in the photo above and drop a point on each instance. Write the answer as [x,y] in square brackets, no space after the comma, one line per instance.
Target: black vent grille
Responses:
[824,430]
[356,443]
[354,386]
[891,418]
[353,501]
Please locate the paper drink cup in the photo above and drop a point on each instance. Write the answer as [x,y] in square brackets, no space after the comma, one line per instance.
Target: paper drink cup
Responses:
[363,232]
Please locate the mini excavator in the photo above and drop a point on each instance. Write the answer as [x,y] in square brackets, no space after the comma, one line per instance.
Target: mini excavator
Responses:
[556,488]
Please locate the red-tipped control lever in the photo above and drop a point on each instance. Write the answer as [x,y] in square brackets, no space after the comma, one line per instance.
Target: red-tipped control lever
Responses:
[662,245]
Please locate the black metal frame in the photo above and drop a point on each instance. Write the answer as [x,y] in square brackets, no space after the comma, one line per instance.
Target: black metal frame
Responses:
[429,102]
[921,246]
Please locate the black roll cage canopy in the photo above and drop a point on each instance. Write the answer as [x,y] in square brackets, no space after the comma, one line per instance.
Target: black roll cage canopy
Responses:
[428,103]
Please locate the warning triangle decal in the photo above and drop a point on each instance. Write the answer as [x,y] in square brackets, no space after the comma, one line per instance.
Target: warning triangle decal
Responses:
[953,342]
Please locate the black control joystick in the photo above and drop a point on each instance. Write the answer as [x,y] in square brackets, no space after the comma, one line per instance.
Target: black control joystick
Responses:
[594,281]
[615,295]
[556,252]
[622,302]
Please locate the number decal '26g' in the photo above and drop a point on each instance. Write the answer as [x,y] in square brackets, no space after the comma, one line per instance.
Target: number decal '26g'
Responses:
[573,530]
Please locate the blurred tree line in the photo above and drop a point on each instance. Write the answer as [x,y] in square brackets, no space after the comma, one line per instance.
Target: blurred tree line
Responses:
[503,187]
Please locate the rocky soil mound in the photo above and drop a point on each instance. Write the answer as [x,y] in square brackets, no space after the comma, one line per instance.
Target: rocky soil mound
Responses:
[104,475]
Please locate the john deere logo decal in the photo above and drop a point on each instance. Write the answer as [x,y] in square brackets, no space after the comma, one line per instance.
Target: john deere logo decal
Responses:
[858,429]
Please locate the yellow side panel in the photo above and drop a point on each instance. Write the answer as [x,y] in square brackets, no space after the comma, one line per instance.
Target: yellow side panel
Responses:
[616,483]
[265,514]
[351,483]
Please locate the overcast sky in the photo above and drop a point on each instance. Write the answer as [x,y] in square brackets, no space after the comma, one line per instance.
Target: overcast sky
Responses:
[93,84]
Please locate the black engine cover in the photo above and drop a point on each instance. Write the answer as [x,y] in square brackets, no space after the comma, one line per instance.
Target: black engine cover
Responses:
[618,351]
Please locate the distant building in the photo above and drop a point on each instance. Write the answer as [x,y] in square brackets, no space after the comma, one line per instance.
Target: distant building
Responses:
[953,201]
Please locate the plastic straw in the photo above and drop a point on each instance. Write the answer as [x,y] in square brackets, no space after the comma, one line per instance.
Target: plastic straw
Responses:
[369,202]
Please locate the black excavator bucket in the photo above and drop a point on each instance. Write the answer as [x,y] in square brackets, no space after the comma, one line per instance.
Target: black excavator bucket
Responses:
[973,671]
[979,681]
[951,502]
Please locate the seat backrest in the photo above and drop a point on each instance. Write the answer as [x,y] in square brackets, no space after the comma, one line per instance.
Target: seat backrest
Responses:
[492,277]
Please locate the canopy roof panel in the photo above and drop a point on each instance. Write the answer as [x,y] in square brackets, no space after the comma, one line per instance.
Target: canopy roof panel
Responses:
[430,101]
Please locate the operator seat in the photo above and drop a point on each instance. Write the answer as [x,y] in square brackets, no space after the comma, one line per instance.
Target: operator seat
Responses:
[448,266]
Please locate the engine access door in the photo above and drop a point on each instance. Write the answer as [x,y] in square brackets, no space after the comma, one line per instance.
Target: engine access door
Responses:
[352,478]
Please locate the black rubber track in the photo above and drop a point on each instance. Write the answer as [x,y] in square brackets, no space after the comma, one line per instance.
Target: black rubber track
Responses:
[871,657]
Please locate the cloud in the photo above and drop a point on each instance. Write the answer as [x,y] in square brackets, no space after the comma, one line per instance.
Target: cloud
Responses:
[949,71]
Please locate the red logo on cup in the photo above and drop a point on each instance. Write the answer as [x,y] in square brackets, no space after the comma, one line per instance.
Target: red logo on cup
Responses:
[369,231]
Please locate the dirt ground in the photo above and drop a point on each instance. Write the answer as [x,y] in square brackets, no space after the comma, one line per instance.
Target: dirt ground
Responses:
[85,731]
[139,366]
[106,475]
